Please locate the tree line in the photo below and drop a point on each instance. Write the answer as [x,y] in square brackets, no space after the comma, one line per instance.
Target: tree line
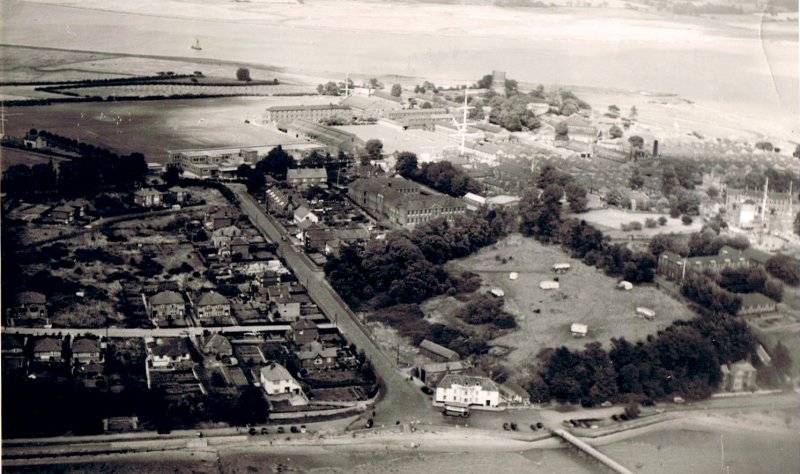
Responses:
[94,170]
[441,176]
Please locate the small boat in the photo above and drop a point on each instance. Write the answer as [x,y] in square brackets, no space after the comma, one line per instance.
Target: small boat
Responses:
[196,45]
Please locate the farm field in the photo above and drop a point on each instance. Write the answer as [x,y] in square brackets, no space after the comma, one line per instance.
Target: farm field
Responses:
[176,89]
[154,127]
[586,296]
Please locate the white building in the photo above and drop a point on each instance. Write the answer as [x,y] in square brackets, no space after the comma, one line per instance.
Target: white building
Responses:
[466,390]
[579,330]
[276,380]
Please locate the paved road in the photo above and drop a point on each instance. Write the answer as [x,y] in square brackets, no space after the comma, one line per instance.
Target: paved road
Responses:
[144,332]
[402,401]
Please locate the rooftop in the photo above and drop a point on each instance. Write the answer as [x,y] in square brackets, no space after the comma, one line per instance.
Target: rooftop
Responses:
[484,383]
[755,299]
[85,345]
[29,297]
[275,372]
[167,297]
[47,344]
[306,173]
[212,298]
[438,349]
[172,347]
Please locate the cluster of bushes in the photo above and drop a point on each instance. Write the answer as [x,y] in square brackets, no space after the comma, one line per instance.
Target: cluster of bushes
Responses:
[684,359]
[409,321]
[704,291]
[784,268]
[750,280]
[486,309]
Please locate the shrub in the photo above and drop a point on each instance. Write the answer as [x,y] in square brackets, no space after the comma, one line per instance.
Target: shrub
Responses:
[674,213]
[686,220]
[650,223]
[662,221]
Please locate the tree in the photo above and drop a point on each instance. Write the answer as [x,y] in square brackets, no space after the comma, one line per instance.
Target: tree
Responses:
[374,149]
[276,163]
[764,146]
[712,192]
[562,131]
[576,196]
[669,180]
[634,113]
[785,268]
[426,105]
[397,90]
[406,164]
[636,180]
[636,141]
[243,74]
[613,111]
[329,88]
[172,175]
[781,359]
[615,132]
[632,410]
[485,82]
[374,83]
[512,87]
[540,217]
[796,152]
[569,107]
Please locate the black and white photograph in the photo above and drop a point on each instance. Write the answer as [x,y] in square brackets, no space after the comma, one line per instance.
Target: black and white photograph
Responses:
[400,236]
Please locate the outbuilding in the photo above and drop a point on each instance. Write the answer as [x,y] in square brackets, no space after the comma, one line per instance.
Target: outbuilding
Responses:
[625,285]
[497,292]
[646,313]
[561,267]
[513,275]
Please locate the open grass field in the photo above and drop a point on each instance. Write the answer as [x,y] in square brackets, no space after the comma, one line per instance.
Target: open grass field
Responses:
[586,296]
[611,220]
[13,156]
[154,127]
[420,142]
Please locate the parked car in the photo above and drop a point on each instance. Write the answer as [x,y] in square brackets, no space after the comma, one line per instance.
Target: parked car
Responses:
[514,426]
[540,425]
[264,430]
[294,429]
[427,390]
[679,400]
[303,428]
[281,430]
[506,426]
[252,431]
[370,423]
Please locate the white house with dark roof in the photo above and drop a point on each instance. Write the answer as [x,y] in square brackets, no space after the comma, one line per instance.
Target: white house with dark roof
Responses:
[212,305]
[168,352]
[148,197]
[467,390]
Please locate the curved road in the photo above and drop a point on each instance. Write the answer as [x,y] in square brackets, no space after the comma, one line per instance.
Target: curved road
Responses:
[402,401]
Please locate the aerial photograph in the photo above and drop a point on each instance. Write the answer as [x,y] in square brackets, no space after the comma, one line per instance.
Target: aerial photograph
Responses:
[400,236]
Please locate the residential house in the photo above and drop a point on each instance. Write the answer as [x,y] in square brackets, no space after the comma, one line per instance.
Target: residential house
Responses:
[168,352]
[63,214]
[178,194]
[436,352]
[314,237]
[86,350]
[639,200]
[239,246]
[580,128]
[218,345]
[316,356]
[34,141]
[288,307]
[280,203]
[47,349]
[166,305]
[303,331]
[756,303]
[466,390]
[304,178]
[220,218]
[276,380]
[213,305]
[148,197]
[26,306]
[738,377]
[224,235]
[431,374]
[302,213]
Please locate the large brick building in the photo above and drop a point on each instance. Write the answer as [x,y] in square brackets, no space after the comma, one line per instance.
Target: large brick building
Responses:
[401,202]
[675,267]
[314,113]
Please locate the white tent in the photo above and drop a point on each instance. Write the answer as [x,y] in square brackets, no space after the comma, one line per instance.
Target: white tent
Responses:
[498,292]
[513,275]
[561,267]
[625,285]
[647,313]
